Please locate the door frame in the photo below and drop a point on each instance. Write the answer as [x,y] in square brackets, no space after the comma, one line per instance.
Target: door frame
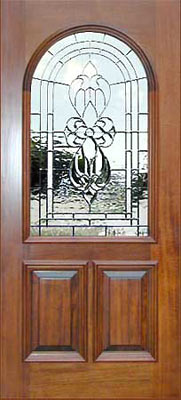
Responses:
[17,22]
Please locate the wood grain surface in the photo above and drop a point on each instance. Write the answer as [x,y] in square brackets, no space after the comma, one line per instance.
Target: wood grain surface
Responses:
[152,320]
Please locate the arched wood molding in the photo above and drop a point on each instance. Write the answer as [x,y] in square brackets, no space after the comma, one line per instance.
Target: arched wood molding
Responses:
[152,129]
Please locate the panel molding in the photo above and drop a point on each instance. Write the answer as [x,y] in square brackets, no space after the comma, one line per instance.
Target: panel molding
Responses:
[126,311]
[55,310]
[133,275]
[55,274]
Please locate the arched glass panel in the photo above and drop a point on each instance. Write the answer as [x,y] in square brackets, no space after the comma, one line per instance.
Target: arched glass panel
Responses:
[89,139]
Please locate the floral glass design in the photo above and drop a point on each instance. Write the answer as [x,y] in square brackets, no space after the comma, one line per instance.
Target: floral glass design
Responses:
[89,94]
[89,139]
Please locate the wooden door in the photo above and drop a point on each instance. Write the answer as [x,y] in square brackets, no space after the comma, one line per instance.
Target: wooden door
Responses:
[90,317]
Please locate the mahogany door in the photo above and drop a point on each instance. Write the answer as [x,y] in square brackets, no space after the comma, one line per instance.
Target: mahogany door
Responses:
[91,315]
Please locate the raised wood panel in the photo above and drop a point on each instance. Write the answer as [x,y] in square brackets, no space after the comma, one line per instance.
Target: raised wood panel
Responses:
[126,323]
[54,304]
[125,305]
[55,313]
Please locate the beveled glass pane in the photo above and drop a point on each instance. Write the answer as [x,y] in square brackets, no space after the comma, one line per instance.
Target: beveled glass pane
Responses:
[89,139]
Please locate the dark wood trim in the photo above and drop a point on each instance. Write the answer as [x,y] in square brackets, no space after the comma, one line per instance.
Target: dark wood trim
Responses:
[26,162]
[153,152]
[128,264]
[69,239]
[151,351]
[32,355]
[153,124]
[32,264]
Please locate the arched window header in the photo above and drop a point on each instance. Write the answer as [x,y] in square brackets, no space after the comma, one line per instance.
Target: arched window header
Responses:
[104,30]
[89,138]
[127,65]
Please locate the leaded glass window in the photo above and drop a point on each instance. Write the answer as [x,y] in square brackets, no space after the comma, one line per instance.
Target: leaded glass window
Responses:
[89,139]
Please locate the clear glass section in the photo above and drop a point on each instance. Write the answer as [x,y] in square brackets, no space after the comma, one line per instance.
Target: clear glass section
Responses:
[89,139]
